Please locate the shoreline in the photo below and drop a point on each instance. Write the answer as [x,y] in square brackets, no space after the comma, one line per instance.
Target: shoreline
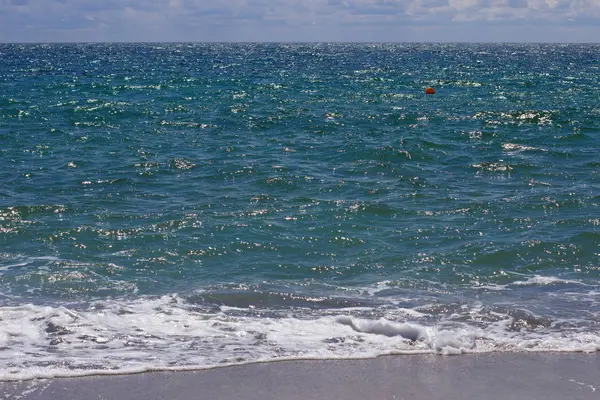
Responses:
[537,375]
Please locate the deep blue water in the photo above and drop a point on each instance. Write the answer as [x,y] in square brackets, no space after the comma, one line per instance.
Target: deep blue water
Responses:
[191,205]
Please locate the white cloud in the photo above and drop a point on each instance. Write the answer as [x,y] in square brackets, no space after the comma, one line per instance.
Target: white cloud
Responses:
[464,4]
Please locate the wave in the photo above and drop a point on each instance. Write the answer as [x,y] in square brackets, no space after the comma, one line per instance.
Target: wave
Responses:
[173,332]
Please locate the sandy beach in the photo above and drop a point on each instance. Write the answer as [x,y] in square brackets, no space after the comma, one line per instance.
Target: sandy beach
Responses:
[417,377]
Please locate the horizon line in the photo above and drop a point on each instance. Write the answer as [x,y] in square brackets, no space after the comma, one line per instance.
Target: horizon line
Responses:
[295,42]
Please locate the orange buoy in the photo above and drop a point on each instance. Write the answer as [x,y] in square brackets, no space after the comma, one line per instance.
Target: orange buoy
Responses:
[430,90]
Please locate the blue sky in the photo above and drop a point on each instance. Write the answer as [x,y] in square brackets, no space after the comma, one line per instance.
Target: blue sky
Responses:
[300,20]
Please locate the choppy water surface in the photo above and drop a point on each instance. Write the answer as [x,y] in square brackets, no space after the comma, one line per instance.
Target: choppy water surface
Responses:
[192,205]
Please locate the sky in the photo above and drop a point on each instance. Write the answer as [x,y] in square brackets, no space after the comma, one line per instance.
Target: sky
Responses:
[300,20]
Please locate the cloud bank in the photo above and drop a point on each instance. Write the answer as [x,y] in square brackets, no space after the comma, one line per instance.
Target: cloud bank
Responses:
[299,20]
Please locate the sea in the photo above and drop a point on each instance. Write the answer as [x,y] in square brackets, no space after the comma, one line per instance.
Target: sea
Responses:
[174,206]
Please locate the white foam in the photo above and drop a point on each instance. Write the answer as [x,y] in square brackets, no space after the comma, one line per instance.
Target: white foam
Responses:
[519,147]
[545,280]
[386,328]
[21,261]
[170,333]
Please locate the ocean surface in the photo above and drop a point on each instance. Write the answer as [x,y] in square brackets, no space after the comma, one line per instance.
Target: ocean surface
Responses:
[178,206]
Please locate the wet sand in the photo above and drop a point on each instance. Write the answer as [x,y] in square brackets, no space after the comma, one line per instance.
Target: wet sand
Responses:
[503,376]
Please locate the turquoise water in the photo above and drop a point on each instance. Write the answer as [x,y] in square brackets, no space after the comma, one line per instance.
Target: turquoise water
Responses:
[191,205]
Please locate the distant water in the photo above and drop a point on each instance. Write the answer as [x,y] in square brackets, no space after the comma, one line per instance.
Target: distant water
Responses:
[192,205]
